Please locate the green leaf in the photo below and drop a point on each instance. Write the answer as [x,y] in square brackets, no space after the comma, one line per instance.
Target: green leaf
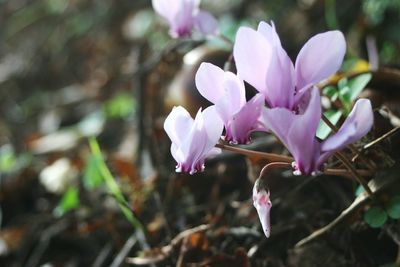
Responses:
[323,129]
[331,92]
[69,201]
[357,84]
[393,208]
[92,177]
[7,158]
[375,217]
[120,106]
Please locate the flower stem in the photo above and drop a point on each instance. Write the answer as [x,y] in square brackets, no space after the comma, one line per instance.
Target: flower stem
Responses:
[260,182]
[273,165]
[269,156]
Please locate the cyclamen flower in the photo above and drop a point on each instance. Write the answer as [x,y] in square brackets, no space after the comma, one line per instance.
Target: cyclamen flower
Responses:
[193,140]
[184,15]
[227,92]
[263,205]
[262,62]
[297,132]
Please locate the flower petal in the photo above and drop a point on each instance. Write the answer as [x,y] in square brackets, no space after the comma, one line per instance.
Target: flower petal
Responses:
[233,99]
[210,82]
[252,53]
[206,23]
[167,9]
[177,123]
[245,121]
[358,123]
[213,126]
[280,80]
[319,58]
[224,89]
[269,33]
[297,132]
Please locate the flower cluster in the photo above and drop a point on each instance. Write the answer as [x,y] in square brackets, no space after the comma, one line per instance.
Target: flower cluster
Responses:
[288,105]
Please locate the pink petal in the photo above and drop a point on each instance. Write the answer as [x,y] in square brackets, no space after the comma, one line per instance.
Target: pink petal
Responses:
[320,58]
[213,126]
[206,23]
[193,141]
[245,121]
[252,53]
[358,123]
[297,132]
[167,9]
[302,142]
[224,89]
[210,82]
[269,33]
[280,80]
[177,124]
[234,97]
[263,206]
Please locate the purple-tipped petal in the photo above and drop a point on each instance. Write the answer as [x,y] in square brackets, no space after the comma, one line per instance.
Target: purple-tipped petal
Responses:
[358,123]
[245,121]
[252,53]
[319,58]
[297,132]
[193,141]
[263,205]
[302,142]
[206,23]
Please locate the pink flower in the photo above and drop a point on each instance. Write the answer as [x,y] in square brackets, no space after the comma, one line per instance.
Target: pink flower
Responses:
[297,132]
[263,205]
[184,15]
[227,92]
[193,140]
[262,62]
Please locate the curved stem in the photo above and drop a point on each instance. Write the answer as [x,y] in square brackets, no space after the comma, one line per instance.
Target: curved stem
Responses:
[273,165]
[260,182]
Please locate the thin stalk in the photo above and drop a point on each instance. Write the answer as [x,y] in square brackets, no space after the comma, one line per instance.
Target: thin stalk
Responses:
[356,176]
[346,173]
[260,182]
[381,138]
[351,146]
[273,165]
[251,153]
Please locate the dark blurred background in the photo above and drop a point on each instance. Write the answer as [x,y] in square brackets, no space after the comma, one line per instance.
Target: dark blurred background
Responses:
[77,69]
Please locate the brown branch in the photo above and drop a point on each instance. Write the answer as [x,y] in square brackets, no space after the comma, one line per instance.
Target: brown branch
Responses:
[251,153]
